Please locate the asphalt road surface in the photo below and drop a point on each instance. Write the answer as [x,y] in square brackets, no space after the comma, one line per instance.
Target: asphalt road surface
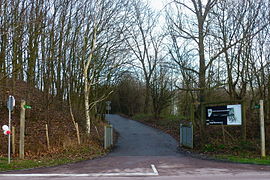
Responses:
[144,153]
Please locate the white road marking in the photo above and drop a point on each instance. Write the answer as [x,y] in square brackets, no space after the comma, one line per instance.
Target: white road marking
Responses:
[154,173]
[78,175]
[154,169]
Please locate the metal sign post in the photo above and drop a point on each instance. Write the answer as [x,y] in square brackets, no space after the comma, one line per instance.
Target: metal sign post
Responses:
[10,106]
[9,123]
[108,107]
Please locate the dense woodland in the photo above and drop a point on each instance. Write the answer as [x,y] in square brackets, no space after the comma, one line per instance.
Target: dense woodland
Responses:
[86,52]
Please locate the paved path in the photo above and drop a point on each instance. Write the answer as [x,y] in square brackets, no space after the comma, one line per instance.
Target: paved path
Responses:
[146,153]
[136,139]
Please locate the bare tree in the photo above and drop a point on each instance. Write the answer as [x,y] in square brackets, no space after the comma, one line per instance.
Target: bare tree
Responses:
[238,25]
[195,29]
[138,38]
[103,46]
[161,91]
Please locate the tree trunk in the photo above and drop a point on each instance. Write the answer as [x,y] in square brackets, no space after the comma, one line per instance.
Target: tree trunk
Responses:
[87,85]
[147,97]
[202,66]
[86,102]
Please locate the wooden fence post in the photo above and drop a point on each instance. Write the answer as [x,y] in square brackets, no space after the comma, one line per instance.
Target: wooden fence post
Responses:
[78,133]
[262,129]
[244,122]
[22,129]
[47,137]
[202,124]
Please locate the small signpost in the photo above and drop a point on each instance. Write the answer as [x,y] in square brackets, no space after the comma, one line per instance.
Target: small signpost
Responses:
[108,107]
[10,106]
[27,107]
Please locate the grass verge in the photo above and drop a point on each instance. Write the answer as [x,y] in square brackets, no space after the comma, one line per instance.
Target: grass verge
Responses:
[53,159]
[259,161]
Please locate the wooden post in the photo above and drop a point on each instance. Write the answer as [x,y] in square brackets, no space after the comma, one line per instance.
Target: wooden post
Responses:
[181,135]
[223,134]
[262,129]
[78,133]
[192,136]
[97,132]
[244,122]
[22,129]
[47,137]
[111,131]
[192,118]
[13,140]
[202,125]
[105,137]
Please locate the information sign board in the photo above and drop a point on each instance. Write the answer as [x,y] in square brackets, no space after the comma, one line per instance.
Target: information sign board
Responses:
[224,115]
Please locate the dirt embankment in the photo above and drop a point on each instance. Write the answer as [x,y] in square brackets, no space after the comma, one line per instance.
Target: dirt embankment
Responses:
[45,109]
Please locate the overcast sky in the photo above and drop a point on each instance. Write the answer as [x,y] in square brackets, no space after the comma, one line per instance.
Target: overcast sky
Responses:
[157,4]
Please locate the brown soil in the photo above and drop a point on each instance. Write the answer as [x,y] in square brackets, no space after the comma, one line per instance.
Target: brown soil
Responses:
[45,110]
